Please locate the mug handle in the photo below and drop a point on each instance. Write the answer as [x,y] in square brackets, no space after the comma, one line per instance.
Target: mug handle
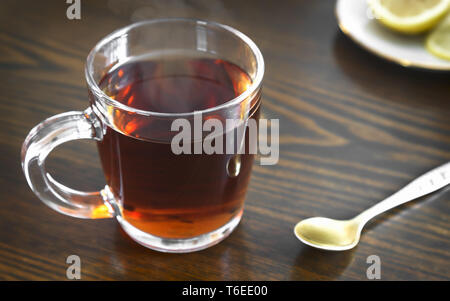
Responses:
[41,140]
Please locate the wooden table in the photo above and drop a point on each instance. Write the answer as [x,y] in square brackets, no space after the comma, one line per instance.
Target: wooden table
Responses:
[354,129]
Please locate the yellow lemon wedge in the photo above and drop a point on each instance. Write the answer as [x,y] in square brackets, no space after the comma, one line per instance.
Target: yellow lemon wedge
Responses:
[438,41]
[409,16]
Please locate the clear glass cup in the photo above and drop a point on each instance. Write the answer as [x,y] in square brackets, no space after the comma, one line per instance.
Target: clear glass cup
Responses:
[105,116]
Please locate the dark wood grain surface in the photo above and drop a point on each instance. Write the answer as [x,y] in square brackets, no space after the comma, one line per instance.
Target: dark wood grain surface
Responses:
[354,129]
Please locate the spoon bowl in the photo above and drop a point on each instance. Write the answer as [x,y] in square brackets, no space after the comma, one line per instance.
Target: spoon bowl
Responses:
[328,234]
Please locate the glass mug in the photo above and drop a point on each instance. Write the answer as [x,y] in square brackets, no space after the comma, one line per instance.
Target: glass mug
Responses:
[140,79]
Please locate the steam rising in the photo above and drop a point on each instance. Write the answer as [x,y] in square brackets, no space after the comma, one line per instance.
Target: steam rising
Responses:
[137,10]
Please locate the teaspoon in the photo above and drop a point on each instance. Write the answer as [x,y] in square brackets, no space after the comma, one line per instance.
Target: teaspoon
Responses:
[338,235]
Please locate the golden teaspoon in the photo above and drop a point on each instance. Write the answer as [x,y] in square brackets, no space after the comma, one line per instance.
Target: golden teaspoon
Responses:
[338,235]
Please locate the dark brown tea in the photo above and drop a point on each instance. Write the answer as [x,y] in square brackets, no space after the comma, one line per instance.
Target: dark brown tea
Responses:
[159,192]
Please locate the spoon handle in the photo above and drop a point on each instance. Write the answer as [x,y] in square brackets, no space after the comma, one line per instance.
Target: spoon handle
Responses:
[429,182]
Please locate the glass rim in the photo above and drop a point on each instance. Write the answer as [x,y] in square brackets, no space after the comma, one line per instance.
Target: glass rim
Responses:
[256,83]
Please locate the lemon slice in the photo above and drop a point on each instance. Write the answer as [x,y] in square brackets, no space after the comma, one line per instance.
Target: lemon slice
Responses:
[438,41]
[409,16]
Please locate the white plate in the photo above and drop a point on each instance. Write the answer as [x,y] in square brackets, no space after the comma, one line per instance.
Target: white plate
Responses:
[354,18]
